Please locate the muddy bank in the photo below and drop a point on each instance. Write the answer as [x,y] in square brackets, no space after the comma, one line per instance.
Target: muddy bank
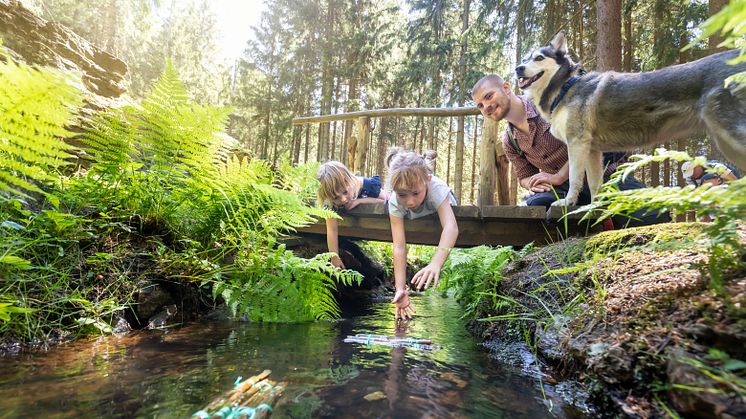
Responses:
[635,316]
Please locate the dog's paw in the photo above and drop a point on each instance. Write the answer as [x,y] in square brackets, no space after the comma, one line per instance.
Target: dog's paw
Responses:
[563,203]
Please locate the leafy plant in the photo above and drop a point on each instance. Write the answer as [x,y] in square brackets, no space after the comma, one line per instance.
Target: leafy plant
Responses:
[278,286]
[35,106]
[729,22]
[474,274]
[725,204]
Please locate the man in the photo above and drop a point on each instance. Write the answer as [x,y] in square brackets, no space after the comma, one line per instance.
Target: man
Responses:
[717,173]
[539,159]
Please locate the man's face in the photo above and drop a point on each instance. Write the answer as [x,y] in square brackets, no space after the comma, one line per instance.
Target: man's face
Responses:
[699,171]
[492,100]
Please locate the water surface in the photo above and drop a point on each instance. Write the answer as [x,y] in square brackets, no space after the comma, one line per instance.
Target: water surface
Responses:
[174,373]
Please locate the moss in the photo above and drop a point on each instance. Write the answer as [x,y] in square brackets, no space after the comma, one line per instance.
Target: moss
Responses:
[672,233]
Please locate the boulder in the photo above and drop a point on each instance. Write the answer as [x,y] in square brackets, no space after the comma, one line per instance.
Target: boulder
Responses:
[35,41]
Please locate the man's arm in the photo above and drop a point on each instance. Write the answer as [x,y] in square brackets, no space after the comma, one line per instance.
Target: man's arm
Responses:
[544,180]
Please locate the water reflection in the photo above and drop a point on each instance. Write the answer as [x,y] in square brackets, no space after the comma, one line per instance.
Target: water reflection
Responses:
[176,372]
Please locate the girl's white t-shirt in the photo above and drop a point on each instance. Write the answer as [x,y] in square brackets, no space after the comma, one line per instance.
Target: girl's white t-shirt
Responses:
[437,192]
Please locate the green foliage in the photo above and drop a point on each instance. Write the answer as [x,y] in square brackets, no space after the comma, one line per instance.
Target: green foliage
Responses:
[725,204]
[474,275]
[277,286]
[728,22]
[160,201]
[35,106]
[300,179]
[718,374]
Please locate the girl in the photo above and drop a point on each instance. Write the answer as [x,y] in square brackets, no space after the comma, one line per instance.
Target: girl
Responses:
[341,190]
[417,193]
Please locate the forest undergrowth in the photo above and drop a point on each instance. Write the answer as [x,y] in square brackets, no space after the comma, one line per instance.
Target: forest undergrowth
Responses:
[153,195]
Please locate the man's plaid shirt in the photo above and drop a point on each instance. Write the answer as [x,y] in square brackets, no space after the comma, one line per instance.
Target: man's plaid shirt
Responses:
[542,151]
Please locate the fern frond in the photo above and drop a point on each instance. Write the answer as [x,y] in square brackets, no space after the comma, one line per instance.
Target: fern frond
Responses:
[35,106]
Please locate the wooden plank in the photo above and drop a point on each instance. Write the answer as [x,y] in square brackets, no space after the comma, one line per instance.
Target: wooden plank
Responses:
[396,112]
[495,225]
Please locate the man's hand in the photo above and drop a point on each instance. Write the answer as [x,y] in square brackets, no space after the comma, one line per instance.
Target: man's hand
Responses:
[425,276]
[543,182]
[404,309]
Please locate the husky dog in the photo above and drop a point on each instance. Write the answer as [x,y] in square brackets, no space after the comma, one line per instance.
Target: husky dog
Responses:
[612,111]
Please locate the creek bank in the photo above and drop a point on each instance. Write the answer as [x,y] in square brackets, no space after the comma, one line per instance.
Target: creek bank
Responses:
[125,275]
[633,316]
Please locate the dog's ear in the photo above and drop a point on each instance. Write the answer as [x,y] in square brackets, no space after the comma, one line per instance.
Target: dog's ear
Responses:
[559,43]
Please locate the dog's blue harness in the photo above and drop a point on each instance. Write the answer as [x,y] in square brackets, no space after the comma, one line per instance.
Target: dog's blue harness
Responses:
[565,87]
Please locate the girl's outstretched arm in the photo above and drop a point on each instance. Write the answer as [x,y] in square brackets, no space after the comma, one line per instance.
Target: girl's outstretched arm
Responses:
[431,273]
[332,241]
[404,309]
[355,202]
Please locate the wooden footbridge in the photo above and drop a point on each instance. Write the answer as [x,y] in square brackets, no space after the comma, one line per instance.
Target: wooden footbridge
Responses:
[483,223]
[492,225]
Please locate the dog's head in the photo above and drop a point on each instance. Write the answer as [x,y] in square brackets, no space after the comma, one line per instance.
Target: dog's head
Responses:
[539,66]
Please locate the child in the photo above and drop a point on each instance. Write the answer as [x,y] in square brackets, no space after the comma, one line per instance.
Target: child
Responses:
[417,193]
[342,190]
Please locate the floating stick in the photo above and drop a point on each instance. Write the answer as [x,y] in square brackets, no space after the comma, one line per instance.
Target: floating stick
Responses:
[258,391]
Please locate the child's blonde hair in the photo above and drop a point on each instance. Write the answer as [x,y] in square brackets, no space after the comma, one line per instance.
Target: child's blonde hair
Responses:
[406,168]
[333,177]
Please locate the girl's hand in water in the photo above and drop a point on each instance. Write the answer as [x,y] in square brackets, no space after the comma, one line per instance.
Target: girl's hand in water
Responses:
[404,309]
[428,274]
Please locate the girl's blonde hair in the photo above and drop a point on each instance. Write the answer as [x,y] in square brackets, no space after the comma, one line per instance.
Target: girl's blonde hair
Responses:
[333,177]
[406,169]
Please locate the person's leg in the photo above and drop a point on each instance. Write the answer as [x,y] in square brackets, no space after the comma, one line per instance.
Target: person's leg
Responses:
[641,217]
[545,199]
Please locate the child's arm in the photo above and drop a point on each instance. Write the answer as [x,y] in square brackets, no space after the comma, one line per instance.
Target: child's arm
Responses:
[355,202]
[404,309]
[431,272]
[332,241]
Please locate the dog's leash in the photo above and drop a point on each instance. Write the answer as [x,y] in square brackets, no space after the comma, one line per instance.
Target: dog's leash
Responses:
[565,87]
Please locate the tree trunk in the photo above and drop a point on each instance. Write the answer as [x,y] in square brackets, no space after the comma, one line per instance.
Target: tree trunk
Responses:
[308,140]
[714,40]
[609,35]
[350,106]
[361,153]
[383,144]
[448,153]
[459,175]
[487,167]
[628,53]
[327,81]
[473,161]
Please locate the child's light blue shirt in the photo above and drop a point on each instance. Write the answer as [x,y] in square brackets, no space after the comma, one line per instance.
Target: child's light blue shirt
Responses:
[437,192]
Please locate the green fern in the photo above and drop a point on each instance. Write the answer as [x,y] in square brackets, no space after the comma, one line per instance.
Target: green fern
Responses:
[276,286]
[474,274]
[178,136]
[725,204]
[35,106]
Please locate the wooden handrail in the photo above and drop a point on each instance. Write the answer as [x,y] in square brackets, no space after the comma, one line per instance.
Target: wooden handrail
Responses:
[393,112]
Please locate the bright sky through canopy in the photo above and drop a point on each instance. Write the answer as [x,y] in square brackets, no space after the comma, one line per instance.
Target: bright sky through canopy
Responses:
[235,19]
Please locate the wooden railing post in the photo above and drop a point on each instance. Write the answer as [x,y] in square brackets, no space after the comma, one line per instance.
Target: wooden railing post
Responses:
[487,166]
[501,163]
[352,152]
[363,131]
